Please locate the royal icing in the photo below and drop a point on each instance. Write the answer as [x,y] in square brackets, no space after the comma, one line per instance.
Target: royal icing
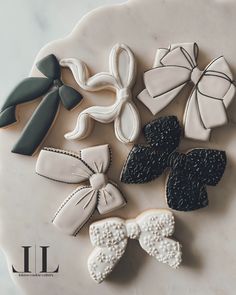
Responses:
[152,229]
[43,117]
[189,173]
[123,112]
[213,91]
[91,165]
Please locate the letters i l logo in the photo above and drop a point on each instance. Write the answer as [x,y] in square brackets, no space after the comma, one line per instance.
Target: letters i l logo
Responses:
[44,264]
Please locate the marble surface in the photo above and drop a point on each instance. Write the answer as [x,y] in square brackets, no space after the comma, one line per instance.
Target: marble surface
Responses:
[36,22]
[206,235]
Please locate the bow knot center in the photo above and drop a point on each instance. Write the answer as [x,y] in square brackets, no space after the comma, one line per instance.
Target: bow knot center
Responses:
[196,75]
[177,160]
[124,95]
[57,83]
[98,181]
[133,230]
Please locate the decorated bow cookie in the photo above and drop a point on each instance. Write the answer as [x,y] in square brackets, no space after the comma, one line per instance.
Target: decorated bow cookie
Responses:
[213,89]
[31,88]
[92,164]
[123,112]
[110,236]
[189,173]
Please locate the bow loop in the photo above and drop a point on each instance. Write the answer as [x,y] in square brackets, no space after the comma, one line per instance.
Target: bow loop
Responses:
[156,222]
[206,165]
[186,54]
[151,229]
[98,158]
[190,174]
[62,166]
[123,66]
[50,67]
[218,71]
[178,57]
[91,165]
[163,133]
[108,234]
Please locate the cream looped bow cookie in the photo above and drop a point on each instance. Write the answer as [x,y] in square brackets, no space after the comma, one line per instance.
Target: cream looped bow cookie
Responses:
[110,236]
[213,89]
[123,112]
[91,165]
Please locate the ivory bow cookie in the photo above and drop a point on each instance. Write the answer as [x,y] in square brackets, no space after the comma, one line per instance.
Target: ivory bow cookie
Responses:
[189,173]
[110,236]
[213,89]
[92,164]
[31,88]
[123,112]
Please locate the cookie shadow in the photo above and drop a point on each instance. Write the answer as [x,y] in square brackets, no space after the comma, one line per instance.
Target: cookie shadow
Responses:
[222,195]
[191,258]
[130,264]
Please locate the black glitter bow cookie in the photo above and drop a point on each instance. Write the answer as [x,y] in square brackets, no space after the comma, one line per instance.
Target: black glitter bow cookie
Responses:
[43,117]
[190,173]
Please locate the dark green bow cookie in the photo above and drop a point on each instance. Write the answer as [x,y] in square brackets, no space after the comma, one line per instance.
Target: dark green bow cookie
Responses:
[43,117]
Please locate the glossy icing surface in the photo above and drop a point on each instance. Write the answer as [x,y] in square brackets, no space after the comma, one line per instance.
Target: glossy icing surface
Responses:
[213,91]
[90,165]
[25,211]
[123,112]
[43,117]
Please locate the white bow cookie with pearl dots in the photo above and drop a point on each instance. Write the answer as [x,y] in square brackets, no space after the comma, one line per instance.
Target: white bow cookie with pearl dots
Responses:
[110,236]
[91,164]
[123,112]
[213,90]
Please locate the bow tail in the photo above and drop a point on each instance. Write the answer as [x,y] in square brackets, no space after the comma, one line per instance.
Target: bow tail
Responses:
[85,121]
[169,252]
[185,195]
[76,210]
[28,90]
[194,127]
[163,84]
[127,124]
[165,250]
[212,111]
[102,261]
[110,199]
[39,125]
